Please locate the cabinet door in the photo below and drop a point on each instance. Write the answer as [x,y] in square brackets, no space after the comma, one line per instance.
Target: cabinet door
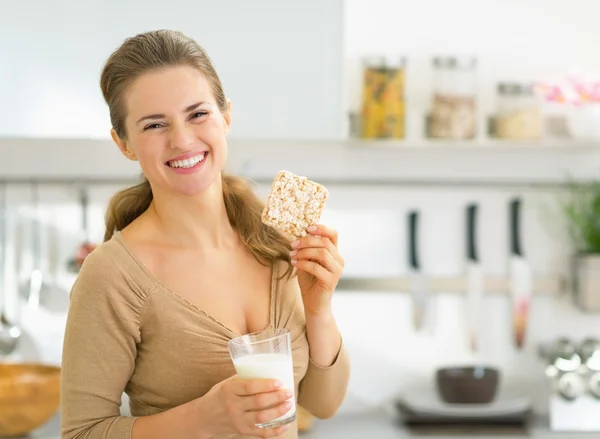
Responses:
[280,62]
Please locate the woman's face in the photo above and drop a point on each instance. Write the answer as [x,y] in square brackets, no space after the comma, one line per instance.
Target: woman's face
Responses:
[175,130]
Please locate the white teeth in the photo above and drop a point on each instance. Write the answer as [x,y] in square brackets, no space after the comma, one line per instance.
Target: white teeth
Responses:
[187,163]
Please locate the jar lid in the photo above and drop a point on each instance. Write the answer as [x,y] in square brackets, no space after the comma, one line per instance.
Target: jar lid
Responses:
[381,61]
[515,88]
[377,61]
[395,61]
[454,62]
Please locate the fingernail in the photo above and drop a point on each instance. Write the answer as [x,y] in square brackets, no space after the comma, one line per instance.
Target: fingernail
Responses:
[288,404]
[312,228]
[277,384]
[293,252]
[294,262]
[289,394]
[295,243]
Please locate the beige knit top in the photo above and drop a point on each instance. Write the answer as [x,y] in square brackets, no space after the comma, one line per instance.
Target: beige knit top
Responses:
[126,332]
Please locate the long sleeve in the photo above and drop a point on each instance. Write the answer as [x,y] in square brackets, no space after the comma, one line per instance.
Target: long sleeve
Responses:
[323,389]
[99,349]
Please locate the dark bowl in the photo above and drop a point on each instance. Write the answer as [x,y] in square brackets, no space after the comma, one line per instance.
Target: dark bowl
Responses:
[467,385]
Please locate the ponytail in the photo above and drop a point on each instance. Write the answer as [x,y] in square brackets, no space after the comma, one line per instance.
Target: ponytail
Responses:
[244,209]
[125,206]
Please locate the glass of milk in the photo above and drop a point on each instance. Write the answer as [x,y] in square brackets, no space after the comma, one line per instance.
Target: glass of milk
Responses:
[266,354]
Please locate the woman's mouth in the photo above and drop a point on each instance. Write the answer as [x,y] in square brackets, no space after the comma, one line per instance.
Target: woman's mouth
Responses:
[189,162]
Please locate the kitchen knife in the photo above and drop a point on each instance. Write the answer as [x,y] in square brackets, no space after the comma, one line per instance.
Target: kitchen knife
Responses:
[520,274]
[418,287]
[474,274]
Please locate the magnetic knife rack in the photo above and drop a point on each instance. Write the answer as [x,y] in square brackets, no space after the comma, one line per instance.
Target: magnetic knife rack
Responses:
[492,284]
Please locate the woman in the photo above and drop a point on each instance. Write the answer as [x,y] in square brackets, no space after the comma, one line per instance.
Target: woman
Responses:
[186,266]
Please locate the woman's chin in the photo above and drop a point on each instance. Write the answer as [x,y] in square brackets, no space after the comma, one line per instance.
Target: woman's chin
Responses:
[191,188]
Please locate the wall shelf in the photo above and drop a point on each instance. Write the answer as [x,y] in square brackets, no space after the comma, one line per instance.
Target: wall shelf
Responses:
[485,145]
[333,162]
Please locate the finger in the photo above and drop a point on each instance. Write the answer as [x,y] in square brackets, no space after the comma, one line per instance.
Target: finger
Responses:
[316,269]
[267,415]
[313,241]
[261,401]
[320,255]
[246,387]
[328,232]
[317,242]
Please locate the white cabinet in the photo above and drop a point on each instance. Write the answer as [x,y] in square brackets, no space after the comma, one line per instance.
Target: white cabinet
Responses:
[280,62]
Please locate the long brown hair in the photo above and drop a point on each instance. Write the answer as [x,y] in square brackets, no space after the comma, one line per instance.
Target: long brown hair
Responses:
[160,49]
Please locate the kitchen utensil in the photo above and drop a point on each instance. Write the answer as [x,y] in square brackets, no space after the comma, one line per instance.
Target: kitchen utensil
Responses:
[29,397]
[9,332]
[418,284]
[520,275]
[475,283]
[56,298]
[562,354]
[36,288]
[589,351]
[86,247]
[573,384]
[468,384]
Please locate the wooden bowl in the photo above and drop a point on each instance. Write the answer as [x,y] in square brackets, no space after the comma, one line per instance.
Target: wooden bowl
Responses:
[29,397]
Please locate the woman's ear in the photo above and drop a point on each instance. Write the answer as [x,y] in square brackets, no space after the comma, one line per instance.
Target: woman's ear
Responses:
[122,145]
[227,116]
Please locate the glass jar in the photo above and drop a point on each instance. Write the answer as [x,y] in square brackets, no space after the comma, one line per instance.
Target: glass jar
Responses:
[519,112]
[453,111]
[383,105]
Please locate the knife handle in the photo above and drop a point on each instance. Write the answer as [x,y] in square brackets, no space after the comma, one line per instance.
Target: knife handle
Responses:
[515,227]
[471,232]
[84,202]
[413,223]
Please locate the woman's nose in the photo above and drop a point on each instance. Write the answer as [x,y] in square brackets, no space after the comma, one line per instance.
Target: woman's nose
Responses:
[181,136]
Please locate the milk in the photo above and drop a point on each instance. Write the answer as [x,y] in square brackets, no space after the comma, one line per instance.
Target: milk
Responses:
[271,366]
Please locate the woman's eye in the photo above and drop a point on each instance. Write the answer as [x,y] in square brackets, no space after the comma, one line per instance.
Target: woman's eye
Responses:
[152,126]
[199,114]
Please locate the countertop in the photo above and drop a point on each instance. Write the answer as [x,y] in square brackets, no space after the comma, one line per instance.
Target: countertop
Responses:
[381,424]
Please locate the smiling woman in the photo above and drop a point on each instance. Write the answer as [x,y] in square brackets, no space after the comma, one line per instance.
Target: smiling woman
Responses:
[187,265]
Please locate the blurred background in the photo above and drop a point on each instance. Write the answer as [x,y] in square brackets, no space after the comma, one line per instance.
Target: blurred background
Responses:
[459,141]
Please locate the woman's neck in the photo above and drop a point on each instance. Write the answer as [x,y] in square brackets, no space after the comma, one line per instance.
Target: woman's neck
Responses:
[194,222]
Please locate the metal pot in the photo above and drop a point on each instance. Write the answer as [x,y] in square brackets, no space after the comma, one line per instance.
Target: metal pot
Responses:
[586,281]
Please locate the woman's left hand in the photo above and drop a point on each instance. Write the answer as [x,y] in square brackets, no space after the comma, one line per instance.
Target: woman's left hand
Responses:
[319,266]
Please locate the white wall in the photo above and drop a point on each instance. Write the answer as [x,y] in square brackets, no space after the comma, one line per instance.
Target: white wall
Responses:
[268,53]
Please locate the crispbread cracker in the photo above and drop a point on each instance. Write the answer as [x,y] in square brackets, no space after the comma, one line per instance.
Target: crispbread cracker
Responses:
[294,204]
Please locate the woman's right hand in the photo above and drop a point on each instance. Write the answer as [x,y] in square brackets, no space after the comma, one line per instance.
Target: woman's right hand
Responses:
[236,405]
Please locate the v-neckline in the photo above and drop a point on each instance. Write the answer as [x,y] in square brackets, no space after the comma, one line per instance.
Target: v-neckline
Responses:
[118,236]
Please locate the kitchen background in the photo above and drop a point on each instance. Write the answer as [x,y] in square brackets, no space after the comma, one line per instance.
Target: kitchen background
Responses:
[294,72]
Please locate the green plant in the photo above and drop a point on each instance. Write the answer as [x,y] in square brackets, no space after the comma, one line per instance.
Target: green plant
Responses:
[582,209]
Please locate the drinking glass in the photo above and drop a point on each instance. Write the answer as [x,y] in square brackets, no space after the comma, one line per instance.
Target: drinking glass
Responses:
[266,354]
